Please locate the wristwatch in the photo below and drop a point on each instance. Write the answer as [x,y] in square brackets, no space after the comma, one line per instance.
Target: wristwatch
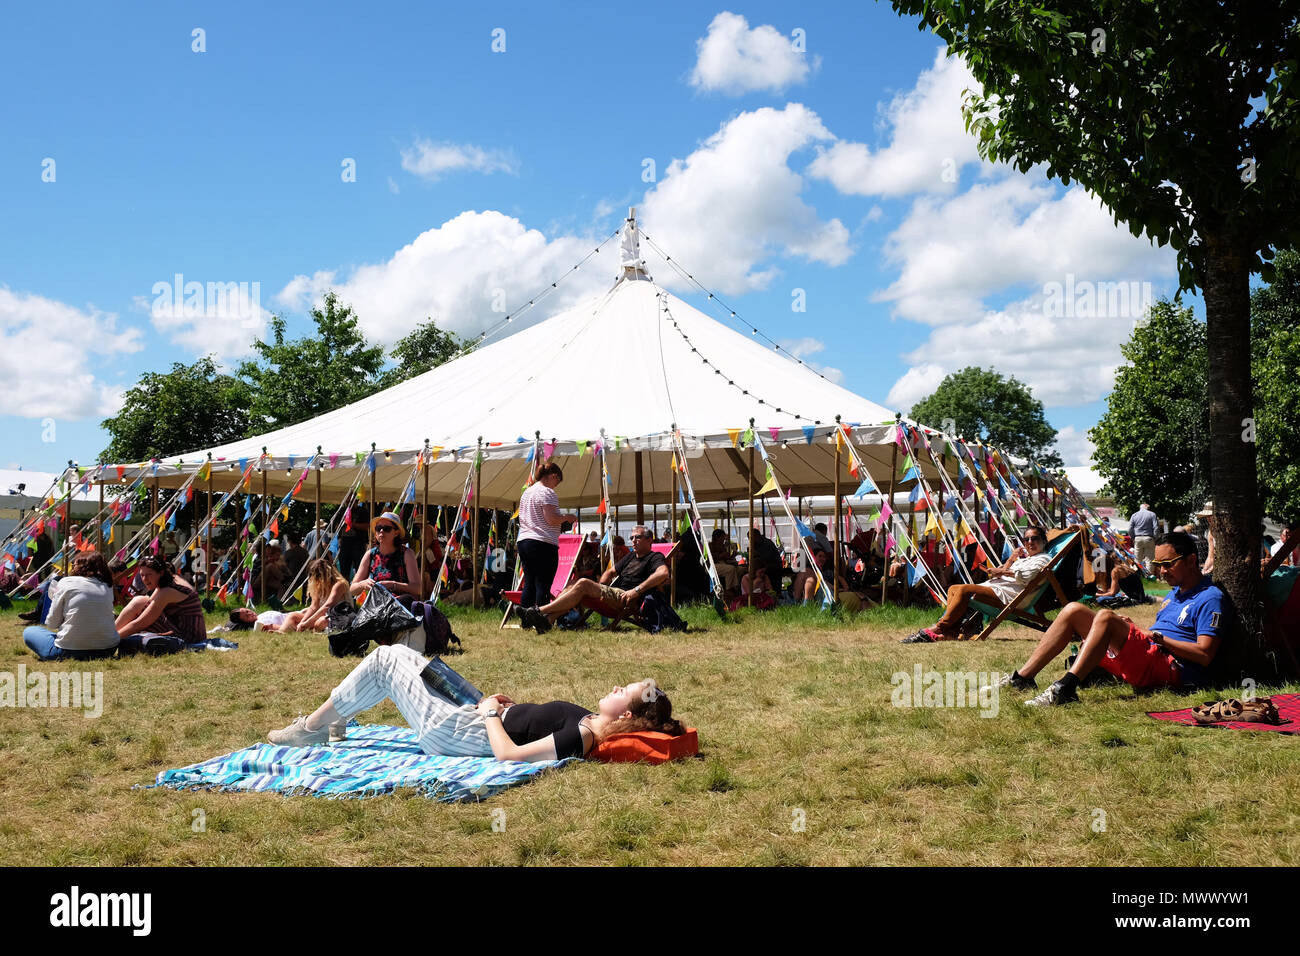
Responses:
[491,713]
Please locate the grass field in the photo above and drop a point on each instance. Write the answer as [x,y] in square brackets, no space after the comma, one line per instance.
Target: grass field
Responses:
[796,726]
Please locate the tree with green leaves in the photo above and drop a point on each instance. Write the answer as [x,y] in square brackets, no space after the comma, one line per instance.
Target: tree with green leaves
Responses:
[1184,120]
[424,348]
[171,413]
[300,379]
[1152,443]
[978,403]
[1275,326]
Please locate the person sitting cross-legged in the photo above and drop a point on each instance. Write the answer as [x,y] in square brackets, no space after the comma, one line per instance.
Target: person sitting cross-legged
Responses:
[1176,652]
[1005,584]
[622,586]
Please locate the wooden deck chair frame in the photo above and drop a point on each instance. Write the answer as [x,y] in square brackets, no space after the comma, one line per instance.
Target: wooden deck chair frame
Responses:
[1028,613]
[566,573]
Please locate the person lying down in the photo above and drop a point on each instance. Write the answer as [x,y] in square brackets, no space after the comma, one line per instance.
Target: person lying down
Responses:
[497,727]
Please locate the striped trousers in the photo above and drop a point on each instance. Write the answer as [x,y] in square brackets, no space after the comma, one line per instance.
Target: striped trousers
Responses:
[394,671]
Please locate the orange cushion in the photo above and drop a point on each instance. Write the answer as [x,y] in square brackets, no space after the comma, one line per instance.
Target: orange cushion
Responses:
[648,746]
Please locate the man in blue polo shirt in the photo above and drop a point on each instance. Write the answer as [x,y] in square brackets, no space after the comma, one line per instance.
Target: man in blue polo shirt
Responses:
[1176,652]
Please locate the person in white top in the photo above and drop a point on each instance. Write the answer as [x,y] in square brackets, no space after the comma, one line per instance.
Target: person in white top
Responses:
[539,535]
[1005,584]
[80,622]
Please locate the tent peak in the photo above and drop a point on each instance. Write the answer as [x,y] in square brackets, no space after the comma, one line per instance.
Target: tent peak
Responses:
[630,250]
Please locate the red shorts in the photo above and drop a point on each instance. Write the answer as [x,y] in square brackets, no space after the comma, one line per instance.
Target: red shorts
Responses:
[1142,663]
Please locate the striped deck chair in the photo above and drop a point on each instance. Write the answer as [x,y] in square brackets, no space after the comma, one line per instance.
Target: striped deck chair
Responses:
[1050,589]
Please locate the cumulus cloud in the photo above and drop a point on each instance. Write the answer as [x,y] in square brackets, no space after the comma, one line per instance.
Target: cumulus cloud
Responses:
[50,353]
[918,382]
[928,143]
[806,347]
[732,58]
[431,161]
[1074,447]
[733,205]
[467,274]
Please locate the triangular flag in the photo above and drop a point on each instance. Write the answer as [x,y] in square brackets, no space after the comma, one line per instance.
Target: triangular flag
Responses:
[735,436]
[808,434]
[866,488]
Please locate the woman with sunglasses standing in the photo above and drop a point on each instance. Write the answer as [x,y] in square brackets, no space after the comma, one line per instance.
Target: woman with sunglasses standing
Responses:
[390,562]
[1005,585]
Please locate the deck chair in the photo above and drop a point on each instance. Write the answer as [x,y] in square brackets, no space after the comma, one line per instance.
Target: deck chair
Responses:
[570,546]
[616,614]
[1050,589]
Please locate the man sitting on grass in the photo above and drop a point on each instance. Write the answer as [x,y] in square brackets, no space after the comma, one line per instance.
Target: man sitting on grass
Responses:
[620,587]
[1175,653]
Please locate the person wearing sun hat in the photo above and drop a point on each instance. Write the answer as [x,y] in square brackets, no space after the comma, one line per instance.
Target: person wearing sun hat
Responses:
[390,562]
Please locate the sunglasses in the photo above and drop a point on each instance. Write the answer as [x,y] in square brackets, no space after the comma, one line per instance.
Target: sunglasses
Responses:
[633,537]
[1032,538]
[1161,565]
[384,529]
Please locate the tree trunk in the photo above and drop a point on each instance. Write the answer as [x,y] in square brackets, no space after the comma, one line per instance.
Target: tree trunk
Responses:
[1237,518]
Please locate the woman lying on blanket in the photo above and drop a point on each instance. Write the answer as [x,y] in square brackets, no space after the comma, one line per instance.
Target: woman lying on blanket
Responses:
[497,727]
[326,587]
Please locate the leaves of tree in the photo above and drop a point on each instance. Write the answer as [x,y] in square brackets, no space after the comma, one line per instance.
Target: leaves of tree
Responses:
[979,403]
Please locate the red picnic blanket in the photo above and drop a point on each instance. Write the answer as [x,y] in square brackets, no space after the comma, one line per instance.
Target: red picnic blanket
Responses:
[1288,709]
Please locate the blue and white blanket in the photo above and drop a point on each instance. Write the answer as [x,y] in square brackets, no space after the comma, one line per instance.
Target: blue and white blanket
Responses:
[374,760]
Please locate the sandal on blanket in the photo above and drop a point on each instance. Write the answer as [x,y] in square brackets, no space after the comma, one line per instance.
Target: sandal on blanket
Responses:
[1215,712]
[1259,711]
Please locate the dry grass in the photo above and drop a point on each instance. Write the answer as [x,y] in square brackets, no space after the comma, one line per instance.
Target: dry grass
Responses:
[795,717]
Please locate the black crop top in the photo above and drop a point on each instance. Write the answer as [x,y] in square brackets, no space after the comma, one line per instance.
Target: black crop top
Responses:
[528,722]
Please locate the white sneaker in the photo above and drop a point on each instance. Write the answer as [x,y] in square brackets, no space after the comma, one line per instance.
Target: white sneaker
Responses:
[297,735]
[1054,696]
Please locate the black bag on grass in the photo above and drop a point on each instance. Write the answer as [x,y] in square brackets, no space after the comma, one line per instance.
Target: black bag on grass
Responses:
[380,619]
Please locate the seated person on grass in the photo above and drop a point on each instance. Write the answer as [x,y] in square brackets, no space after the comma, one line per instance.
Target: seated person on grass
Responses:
[1005,584]
[1176,652]
[620,588]
[497,727]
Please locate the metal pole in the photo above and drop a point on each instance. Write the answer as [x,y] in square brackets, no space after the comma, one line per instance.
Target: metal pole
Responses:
[266,523]
[640,493]
[424,513]
[373,491]
[672,568]
[753,574]
[893,474]
[316,535]
[67,517]
[839,514]
[99,532]
[207,543]
[478,473]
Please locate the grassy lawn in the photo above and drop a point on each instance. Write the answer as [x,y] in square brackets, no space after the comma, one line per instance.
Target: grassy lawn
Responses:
[796,723]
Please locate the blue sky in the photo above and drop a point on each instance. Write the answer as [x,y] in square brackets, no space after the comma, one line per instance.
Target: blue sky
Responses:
[814,150]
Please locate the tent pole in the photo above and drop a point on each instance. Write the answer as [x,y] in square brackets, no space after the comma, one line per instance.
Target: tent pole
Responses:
[266,523]
[315,541]
[373,472]
[478,473]
[424,512]
[640,493]
[672,530]
[654,523]
[839,513]
[153,499]
[893,475]
[753,575]
[207,544]
[99,532]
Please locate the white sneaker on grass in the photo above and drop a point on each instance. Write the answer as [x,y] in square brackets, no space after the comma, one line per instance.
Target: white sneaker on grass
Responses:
[1054,696]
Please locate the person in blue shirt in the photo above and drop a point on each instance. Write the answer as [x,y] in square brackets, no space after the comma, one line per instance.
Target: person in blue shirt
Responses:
[1176,652]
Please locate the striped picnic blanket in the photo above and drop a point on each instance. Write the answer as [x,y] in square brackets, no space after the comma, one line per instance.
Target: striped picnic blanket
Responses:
[374,760]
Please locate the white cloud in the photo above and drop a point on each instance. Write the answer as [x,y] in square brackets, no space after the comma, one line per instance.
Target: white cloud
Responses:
[928,147]
[734,59]
[1074,447]
[467,274]
[218,318]
[808,346]
[430,160]
[918,382]
[734,204]
[49,353]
